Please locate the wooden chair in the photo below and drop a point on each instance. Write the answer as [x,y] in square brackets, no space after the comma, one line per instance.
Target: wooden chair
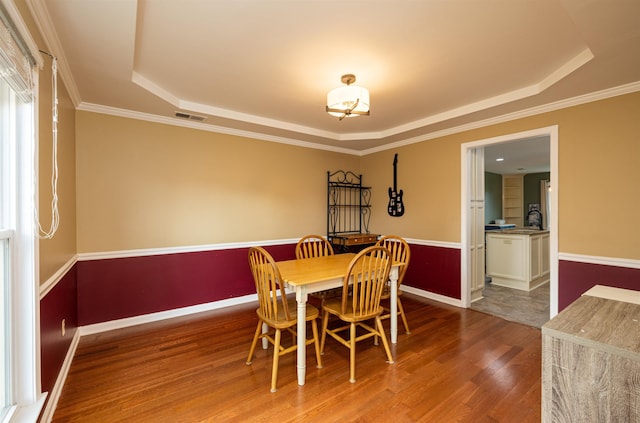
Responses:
[313,246]
[316,246]
[400,251]
[276,311]
[359,303]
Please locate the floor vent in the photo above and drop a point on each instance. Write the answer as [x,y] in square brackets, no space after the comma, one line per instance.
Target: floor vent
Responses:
[183,115]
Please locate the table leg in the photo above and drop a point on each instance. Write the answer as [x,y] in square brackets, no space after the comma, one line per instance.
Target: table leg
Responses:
[301,298]
[393,304]
[265,341]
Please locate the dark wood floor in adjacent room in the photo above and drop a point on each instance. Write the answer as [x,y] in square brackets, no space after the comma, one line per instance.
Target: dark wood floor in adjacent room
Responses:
[457,365]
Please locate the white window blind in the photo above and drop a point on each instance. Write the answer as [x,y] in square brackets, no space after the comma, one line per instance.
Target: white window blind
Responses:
[15,61]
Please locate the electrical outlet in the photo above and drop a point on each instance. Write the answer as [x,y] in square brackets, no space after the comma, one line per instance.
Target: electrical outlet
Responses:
[63,326]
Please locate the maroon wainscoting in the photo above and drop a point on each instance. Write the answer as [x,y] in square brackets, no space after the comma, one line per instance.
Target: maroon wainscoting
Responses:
[575,278]
[112,289]
[98,291]
[59,303]
[434,269]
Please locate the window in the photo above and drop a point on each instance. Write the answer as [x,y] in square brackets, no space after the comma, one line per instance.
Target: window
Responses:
[16,256]
[5,380]
[5,400]
[6,181]
[19,388]
[7,201]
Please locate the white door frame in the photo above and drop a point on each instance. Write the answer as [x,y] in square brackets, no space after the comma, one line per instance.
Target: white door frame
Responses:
[465,274]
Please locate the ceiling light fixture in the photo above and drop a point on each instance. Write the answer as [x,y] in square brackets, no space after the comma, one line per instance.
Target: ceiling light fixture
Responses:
[348,101]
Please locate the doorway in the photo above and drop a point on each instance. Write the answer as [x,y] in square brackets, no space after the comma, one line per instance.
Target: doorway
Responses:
[472,156]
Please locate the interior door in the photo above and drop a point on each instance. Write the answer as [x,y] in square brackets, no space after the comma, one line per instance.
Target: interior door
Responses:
[476,223]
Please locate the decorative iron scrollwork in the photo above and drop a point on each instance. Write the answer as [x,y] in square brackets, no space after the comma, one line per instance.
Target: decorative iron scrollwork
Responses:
[348,204]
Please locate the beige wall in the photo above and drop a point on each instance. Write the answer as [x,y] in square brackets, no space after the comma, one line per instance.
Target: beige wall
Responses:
[599,179]
[428,173]
[149,185]
[55,252]
[599,156]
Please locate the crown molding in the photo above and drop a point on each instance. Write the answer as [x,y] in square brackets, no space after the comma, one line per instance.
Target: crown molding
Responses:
[45,25]
[114,111]
[545,108]
[550,107]
[565,69]
[206,109]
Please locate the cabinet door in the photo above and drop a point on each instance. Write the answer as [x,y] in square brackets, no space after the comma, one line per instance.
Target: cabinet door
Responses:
[536,256]
[545,254]
[507,256]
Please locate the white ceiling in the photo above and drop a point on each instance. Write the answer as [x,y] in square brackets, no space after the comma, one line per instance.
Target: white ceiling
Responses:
[262,68]
[531,155]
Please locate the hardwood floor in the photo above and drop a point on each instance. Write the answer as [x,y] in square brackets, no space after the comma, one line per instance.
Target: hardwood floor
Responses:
[457,365]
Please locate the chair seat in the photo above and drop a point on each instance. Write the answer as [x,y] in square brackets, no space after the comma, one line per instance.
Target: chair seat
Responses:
[282,323]
[334,306]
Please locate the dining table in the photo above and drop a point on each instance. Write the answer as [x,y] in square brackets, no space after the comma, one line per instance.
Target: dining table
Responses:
[309,275]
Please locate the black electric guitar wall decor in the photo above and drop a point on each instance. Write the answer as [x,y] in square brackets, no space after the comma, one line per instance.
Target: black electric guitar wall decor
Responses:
[395,208]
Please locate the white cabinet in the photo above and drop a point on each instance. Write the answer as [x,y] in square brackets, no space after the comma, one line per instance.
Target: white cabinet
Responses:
[518,259]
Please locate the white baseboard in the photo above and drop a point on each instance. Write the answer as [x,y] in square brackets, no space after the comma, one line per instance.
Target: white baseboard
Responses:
[162,315]
[54,396]
[432,296]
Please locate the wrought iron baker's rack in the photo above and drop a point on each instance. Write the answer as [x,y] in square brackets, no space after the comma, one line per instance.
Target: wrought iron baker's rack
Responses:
[348,204]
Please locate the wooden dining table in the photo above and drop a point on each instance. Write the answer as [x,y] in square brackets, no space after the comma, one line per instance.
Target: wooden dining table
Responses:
[305,276]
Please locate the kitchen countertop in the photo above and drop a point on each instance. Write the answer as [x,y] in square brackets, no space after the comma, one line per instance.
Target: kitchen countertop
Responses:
[498,226]
[520,231]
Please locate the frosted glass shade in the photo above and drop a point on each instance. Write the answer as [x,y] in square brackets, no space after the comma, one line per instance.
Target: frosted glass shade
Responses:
[343,98]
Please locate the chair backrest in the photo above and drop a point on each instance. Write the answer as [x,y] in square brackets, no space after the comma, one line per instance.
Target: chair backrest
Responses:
[271,293]
[313,246]
[400,251]
[368,273]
